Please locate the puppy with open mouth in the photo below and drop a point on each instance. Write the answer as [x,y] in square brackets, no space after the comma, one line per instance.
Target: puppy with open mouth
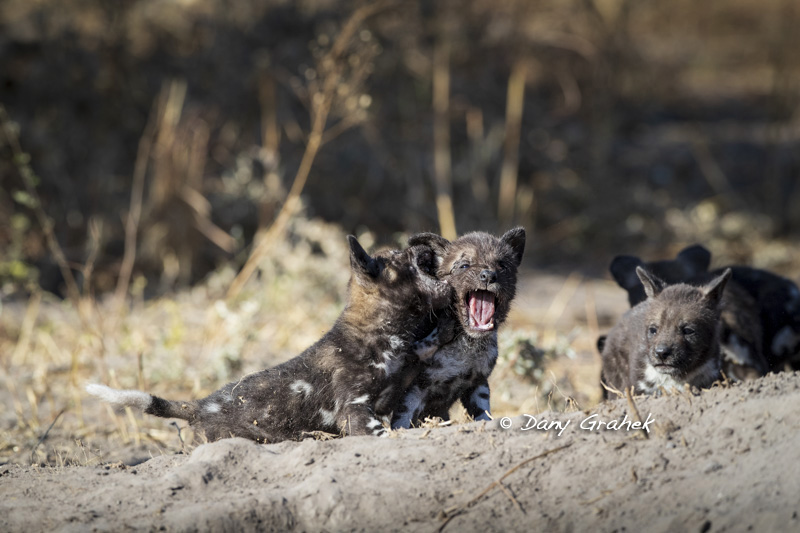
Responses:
[482,270]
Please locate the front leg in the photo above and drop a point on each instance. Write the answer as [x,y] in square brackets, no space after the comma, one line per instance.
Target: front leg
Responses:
[476,400]
[413,403]
[443,333]
[390,399]
[360,419]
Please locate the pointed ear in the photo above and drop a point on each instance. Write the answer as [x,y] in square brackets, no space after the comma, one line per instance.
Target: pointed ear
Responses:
[623,269]
[436,242]
[695,259]
[652,285]
[713,291]
[516,239]
[360,260]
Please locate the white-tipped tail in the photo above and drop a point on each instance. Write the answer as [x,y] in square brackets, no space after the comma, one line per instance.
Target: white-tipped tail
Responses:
[120,398]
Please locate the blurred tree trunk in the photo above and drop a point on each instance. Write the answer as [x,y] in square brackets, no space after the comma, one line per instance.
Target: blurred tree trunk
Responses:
[508,172]
[441,130]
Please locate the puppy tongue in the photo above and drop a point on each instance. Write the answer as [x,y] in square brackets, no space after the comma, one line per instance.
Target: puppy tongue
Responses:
[481,310]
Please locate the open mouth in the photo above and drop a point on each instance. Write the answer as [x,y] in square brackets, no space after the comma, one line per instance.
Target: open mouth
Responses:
[480,306]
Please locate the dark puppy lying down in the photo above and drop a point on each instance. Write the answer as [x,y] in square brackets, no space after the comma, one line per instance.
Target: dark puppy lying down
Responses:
[669,340]
[742,333]
[335,385]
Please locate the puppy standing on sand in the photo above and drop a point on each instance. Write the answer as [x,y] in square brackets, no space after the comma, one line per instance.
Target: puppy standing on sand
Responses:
[335,384]
[668,340]
[482,269]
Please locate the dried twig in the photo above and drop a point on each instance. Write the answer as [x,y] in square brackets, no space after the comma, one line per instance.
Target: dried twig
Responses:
[137,193]
[508,173]
[635,410]
[320,108]
[511,497]
[497,483]
[609,388]
[95,230]
[180,437]
[44,435]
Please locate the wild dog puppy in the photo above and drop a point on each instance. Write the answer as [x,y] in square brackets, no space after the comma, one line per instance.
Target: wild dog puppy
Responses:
[742,336]
[482,270]
[778,301]
[332,386]
[690,262]
[668,340]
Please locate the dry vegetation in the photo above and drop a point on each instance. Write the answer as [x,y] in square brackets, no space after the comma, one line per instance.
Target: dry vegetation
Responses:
[148,150]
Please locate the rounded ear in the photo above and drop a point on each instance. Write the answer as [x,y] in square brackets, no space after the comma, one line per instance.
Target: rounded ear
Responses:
[436,242]
[623,269]
[516,239]
[360,260]
[652,285]
[713,291]
[695,259]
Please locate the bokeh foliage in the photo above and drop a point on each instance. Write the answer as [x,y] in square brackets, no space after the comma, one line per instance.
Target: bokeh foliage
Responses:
[642,125]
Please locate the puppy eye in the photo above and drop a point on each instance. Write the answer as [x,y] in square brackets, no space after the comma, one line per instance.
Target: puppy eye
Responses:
[465,265]
[687,330]
[652,330]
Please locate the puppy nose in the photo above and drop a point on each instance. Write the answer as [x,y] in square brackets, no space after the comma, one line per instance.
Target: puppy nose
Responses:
[663,351]
[488,276]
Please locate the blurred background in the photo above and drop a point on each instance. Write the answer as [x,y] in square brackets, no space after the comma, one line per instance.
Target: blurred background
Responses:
[178,176]
[599,125]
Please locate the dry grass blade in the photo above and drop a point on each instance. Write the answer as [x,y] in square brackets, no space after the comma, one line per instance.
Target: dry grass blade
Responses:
[137,193]
[508,172]
[511,497]
[497,483]
[441,135]
[320,435]
[609,388]
[635,410]
[47,432]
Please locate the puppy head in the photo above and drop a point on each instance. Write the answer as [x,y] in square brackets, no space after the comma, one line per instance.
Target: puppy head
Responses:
[482,269]
[402,280]
[682,323]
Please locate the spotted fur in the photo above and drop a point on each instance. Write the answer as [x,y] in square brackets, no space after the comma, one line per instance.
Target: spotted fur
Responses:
[482,269]
[778,305]
[338,385]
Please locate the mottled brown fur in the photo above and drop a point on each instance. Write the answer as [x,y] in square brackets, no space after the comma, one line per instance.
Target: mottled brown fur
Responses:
[341,383]
[482,269]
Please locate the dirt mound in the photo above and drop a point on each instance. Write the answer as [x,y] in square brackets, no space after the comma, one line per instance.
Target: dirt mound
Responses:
[723,460]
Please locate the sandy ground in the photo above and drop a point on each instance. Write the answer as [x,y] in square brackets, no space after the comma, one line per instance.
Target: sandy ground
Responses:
[726,460]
